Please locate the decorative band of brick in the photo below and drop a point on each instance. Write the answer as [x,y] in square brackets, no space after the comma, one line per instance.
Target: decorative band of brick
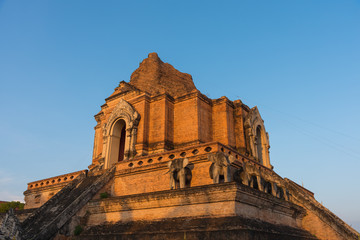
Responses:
[190,151]
[55,180]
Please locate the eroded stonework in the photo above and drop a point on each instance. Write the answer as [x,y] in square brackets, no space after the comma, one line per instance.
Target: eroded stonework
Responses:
[156,77]
[256,137]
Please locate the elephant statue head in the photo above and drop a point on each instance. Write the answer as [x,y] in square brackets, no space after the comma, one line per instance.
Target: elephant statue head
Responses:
[180,173]
[240,175]
[220,169]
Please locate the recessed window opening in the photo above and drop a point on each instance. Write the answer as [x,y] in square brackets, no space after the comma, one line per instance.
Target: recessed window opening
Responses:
[117,142]
[122,144]
[259,145]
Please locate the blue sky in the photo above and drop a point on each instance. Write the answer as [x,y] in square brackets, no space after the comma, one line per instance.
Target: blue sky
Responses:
[298,61]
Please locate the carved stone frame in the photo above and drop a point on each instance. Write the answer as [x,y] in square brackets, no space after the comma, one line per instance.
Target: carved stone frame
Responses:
[252,121]
[122,111]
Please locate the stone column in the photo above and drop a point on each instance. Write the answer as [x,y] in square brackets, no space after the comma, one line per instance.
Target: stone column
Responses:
[127,143]
[132,152]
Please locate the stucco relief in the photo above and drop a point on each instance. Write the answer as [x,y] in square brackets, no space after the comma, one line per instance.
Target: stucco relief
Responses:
[122,111]
[257,138]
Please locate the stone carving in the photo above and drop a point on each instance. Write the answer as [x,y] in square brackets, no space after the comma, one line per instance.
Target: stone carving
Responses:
[241,175]
[221,166]
[266,185]
[280,191]
[180,173]
[253,176]
[257,139]
[123,110]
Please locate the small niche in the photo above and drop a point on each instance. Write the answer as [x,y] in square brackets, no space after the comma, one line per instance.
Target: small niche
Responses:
[195,151]
[208,149]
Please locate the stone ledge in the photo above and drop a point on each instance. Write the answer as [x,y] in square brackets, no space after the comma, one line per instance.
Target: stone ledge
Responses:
[226,199]
[195,228]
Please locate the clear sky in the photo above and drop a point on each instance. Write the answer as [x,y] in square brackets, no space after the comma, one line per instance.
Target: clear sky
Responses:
[298,61]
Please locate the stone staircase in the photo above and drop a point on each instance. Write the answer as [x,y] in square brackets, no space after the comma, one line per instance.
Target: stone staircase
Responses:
[10,227]
[45,222]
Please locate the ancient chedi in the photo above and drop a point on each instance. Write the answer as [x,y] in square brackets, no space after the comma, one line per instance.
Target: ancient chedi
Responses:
[170,163]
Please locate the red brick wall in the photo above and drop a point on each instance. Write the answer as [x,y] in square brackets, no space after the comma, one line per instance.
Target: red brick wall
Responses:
[205,121]
[166,123]
[186,121]
[239,128]
[316,226]
[157,123]
[230,125]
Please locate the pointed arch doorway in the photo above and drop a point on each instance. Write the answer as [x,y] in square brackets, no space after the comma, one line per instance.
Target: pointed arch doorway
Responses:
[119,134]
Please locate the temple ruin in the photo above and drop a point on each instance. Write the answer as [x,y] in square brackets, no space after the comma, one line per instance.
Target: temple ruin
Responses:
[170,163]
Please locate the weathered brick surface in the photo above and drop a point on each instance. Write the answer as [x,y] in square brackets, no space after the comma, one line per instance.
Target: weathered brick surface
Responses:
[227,199]
[204,120]
[155,77]
[143,129]
[319,220]
[185,121]
[38,192]
[229,228]
[157,123]
[239,127]
[319,228]
[223,122]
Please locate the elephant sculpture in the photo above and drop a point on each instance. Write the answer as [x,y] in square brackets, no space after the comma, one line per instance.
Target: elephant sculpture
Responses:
[280,191]
[180,173]
[251,176]
[240,175]
[266,185]
[221,166]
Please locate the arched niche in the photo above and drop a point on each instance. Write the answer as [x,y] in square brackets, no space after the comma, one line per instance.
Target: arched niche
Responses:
[117,142]
[256,137]
[119,134]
